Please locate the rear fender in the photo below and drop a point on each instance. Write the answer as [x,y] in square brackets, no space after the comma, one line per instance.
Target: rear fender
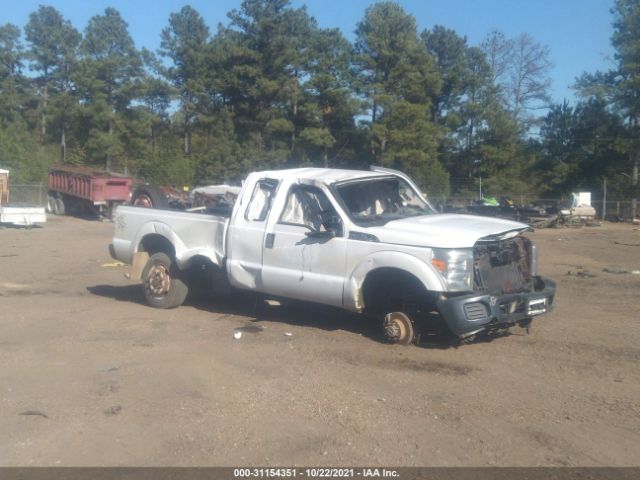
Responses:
[183,254]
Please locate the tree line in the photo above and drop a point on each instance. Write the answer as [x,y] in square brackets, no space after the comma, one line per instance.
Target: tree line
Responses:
[272,89]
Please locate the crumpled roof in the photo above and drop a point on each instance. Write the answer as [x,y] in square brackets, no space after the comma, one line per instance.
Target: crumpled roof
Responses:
[324,175]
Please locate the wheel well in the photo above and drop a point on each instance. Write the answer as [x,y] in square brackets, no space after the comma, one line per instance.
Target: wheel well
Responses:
[154,243]
[199,263]
[388,289]
[201,272]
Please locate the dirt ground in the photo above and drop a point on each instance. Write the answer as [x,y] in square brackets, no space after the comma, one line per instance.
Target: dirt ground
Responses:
[91,376]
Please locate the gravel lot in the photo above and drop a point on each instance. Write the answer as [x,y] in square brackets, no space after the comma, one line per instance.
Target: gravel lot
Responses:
[91,376]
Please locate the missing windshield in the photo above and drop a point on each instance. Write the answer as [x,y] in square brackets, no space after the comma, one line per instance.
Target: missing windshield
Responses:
[381,200]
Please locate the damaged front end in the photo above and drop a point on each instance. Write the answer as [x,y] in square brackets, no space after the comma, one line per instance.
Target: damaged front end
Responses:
[506,288]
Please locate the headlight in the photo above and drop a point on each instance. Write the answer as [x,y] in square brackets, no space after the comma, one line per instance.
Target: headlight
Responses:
[456,266]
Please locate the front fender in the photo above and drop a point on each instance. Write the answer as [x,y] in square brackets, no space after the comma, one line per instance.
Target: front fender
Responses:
[352,296]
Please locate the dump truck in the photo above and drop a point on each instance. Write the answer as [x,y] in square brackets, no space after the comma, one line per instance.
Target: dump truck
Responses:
[364,241]
[77,190]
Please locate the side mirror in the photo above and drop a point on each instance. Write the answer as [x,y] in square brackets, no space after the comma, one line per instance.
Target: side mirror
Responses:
[321,234]
[332,222]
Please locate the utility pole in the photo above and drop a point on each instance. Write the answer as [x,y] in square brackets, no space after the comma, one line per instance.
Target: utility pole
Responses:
[634,183]
[477,162]
[604,198]
[634,156]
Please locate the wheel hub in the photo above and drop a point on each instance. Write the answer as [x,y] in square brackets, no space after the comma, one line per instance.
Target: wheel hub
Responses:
[159,280]
[398,328]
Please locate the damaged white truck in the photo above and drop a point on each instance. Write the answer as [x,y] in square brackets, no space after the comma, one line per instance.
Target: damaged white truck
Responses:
[365,241]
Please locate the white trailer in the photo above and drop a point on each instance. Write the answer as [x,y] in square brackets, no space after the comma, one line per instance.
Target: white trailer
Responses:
[22,215]
[19,214]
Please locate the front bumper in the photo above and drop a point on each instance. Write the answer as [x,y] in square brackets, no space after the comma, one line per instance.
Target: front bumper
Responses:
[469,314]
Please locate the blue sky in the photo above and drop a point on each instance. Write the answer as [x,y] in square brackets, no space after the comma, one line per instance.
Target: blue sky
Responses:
[576,31]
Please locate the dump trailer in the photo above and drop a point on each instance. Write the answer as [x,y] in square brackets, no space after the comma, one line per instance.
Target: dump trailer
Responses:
[77,190]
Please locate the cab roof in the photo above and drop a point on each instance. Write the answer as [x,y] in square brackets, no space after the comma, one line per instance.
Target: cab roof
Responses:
[322,175]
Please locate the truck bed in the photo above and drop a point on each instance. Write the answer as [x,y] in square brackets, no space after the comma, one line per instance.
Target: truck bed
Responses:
[190,233]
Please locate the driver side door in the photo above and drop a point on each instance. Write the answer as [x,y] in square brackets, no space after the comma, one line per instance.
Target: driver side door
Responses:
[305,251]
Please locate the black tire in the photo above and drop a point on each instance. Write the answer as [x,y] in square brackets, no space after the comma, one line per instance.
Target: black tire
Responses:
[59,206]
[162,284]
[51,204]
[149,196]
[72,205]
[110,211]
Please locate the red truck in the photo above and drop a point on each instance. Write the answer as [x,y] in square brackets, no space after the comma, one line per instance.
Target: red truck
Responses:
[77,190]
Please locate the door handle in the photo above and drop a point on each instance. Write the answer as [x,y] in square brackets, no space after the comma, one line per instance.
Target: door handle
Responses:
[268,243]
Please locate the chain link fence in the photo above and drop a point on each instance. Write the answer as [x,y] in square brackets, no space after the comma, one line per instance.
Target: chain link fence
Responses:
[615,210]
[36,194]
[31,194]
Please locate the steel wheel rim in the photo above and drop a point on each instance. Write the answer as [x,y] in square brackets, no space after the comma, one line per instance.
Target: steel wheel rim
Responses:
[159,281]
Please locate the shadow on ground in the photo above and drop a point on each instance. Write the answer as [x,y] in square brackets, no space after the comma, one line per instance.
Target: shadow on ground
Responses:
[11,226]
[88,216]
[126,293]
[298,313]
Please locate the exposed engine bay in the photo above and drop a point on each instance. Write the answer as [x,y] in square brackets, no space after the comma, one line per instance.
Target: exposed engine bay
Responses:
[503,266]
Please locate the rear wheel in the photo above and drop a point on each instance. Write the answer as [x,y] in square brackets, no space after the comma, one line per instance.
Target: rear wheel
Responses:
[59,206]
[51,204]
[110,211]
[161,282]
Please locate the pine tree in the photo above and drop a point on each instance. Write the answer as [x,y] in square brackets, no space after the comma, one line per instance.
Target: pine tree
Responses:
[398,78]
[12,82]
[110,76]
[53,53]
[184,41]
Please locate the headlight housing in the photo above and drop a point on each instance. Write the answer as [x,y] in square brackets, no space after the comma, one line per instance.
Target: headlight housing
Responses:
[456,266]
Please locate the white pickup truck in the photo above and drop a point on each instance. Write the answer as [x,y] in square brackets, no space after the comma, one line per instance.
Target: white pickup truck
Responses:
[365,241]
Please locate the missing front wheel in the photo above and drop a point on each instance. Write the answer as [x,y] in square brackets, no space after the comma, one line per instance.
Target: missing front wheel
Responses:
[398,328]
